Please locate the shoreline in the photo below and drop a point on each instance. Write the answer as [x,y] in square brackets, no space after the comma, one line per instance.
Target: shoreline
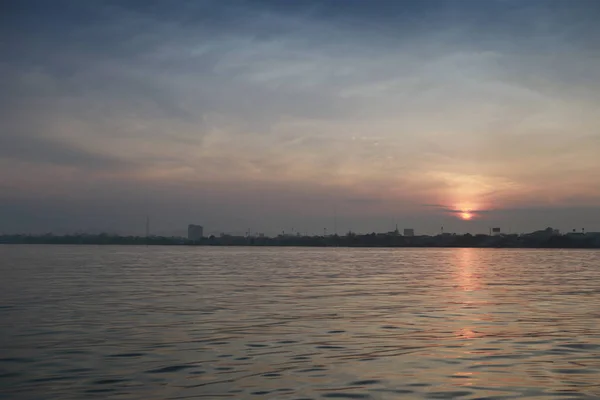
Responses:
[527,241]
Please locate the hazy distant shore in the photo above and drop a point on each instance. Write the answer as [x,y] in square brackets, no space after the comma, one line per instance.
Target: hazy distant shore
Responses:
[533,240]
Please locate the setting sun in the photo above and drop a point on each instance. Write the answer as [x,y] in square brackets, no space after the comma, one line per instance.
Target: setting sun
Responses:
[464,210]
[466,215]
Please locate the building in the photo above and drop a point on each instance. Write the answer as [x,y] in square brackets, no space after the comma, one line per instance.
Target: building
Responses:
[409,232]
[496,231]
[195,232]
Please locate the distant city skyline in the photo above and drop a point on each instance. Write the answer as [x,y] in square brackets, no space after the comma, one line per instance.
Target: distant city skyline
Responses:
[186,231]
[271,115]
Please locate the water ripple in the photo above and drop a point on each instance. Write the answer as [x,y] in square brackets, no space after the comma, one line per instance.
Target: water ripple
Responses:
[291,324]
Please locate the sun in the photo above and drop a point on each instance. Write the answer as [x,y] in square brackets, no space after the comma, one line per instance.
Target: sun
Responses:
[466,215]
[466,211]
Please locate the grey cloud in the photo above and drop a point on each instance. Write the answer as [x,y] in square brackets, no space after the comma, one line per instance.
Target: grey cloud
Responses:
[42,150]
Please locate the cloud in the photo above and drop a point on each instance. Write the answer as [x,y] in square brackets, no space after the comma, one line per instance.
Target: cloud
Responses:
[381,106]
[42,150]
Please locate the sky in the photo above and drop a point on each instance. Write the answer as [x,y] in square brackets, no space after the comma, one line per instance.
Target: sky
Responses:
[300,116]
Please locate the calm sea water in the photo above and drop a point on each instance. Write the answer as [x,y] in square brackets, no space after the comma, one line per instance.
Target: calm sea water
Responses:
[79,322]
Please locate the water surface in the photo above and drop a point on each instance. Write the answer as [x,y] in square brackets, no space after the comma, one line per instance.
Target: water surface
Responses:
[282,323]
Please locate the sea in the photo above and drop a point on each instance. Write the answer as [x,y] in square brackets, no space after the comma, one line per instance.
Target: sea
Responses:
[129,322]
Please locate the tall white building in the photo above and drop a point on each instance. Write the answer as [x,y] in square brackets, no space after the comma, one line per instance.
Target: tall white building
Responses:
[195,232]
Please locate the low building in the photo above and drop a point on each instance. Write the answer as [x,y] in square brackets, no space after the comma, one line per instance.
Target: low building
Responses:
[409,232]
[195,232]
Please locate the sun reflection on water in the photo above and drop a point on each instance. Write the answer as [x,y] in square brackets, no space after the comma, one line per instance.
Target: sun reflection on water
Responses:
[466,278]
